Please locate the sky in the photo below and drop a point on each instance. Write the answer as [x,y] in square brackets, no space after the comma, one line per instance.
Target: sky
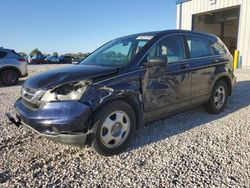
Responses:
[78,25]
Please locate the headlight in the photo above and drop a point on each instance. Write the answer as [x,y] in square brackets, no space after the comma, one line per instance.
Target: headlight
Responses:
[69,91]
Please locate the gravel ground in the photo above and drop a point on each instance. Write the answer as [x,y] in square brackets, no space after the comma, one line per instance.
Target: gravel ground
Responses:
[190,149]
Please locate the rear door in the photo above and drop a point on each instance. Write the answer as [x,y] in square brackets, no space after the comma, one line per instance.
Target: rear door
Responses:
[166,88]
[202,65]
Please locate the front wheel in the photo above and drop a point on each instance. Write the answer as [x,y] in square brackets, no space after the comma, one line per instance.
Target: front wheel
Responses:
[218,99]
[113,127]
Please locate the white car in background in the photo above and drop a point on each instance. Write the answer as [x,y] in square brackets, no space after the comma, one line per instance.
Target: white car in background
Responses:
[12,67]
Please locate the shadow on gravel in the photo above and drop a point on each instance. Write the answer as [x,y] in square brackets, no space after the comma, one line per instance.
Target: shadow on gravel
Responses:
[19,83]
[182,122]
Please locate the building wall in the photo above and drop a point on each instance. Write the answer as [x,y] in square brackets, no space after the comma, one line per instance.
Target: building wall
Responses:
[188,8]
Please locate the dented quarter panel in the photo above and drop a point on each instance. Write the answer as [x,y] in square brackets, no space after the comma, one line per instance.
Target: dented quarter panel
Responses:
[223,68]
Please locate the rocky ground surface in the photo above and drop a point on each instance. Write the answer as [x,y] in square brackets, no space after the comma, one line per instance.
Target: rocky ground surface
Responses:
[190,149]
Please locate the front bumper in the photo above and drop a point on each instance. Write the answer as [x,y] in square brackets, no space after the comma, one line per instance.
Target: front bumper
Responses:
[64,122]
[23,67]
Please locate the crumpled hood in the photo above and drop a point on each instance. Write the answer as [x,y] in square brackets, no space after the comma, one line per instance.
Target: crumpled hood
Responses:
[71,73]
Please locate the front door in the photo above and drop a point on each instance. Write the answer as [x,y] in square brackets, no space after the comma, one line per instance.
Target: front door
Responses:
[166,88]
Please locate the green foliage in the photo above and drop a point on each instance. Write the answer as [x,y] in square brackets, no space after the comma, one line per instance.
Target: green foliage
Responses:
[22,54]
[75,56]
[35,52]
[55,54]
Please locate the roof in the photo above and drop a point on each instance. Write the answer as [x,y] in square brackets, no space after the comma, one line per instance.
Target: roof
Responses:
[173,31]
[5,49]
[159,34]
[182,1]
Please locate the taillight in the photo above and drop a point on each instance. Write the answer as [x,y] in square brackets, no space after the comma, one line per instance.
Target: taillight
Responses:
[22,60]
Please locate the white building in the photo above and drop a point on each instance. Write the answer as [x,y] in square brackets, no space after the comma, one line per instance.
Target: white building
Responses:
[228,19]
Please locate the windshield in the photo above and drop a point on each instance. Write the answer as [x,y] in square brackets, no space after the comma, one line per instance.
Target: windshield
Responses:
[118,52]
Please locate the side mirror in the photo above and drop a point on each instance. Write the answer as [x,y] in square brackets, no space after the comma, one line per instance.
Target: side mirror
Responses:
[156,61]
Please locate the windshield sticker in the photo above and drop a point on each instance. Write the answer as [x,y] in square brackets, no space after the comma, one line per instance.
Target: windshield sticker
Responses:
[144,37]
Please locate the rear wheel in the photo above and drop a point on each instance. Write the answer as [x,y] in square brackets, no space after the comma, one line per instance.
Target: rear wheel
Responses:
[113,127]
[218,99]
[9,77]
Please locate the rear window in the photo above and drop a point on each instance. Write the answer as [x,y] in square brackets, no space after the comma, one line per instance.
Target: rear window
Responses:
[15,53]
[2,54]
[198,47]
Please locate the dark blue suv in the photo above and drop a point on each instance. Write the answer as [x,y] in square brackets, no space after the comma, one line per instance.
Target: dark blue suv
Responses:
[124,84]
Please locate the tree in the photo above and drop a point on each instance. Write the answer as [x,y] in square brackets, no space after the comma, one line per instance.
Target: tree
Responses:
[55,54]
[35,52]
[22,54]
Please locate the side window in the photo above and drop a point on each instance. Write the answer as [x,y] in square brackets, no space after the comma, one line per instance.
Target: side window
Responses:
[2,54]
[171,48]
[218,49]
[198,47]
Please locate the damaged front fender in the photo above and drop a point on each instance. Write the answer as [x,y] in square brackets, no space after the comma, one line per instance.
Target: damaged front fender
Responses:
[126,87]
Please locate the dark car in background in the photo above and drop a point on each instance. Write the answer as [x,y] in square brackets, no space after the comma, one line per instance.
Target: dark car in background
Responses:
[66,59]
[53,60]
[76,60]
[37,59]
[124,84]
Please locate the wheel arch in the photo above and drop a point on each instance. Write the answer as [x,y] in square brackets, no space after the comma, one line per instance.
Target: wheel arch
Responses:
[227,80]
[11,68]
[132,100]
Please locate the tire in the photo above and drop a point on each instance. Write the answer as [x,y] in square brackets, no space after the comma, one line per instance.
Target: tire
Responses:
[218,98]
[113,127]
[9,77]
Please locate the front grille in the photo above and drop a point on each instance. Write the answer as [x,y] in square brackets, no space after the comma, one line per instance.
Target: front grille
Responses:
[28,93]
[31,97]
